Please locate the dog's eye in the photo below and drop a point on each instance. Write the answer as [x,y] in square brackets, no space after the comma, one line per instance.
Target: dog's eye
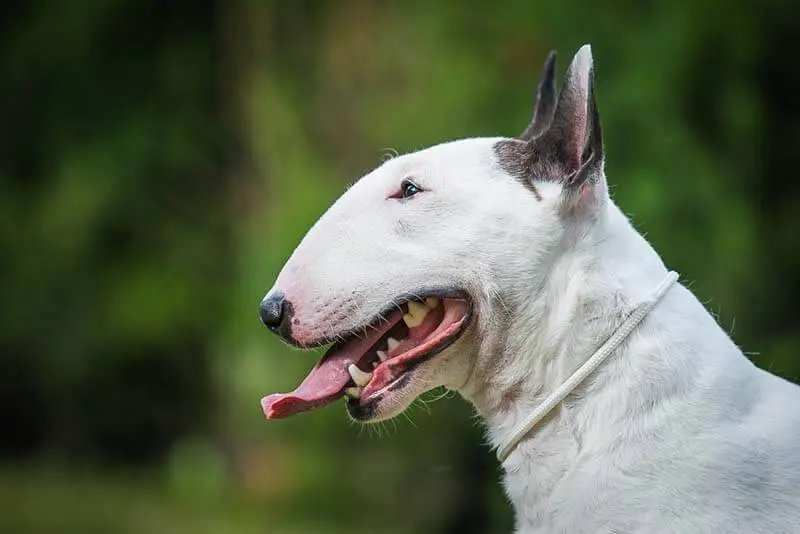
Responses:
[408,189]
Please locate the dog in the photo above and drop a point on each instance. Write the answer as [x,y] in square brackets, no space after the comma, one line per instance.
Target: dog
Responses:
[501,268]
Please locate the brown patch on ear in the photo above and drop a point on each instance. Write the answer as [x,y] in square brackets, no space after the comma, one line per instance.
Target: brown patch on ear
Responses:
[516,158]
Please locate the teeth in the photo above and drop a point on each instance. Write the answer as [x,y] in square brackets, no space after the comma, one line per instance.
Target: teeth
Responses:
[412,321]
[431,302]
[382,355]
[416,314]
[353,393]
[359,377]
[417,309]
[392,343]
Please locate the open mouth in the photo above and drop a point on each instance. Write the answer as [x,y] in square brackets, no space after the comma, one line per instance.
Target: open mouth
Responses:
[365,366]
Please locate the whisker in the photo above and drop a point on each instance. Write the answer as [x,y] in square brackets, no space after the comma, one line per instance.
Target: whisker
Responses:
[409,418]
[440,396]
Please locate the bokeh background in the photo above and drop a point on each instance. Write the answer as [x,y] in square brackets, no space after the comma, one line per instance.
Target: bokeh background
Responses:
[159,161]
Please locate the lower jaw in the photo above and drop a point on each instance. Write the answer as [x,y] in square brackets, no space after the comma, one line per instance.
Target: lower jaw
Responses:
[366,409]
[362,411]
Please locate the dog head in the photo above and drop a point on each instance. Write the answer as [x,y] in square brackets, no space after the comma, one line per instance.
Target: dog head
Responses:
[413,266]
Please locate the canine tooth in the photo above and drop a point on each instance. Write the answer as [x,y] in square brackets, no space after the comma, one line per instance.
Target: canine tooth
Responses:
[431,302]
[382,355]
[392,343]
[416,314]
[353,393]
[412,320]
[417,309]
[360,377]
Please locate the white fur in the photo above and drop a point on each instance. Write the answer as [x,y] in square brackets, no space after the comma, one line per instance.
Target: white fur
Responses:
[677,432]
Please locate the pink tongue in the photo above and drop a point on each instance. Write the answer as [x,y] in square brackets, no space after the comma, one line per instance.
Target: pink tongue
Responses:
[323,385]
[327,380]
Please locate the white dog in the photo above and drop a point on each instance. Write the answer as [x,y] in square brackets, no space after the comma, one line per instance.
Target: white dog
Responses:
[502,269]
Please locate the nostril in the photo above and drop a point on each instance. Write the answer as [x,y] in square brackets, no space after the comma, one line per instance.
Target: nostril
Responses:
[271,310]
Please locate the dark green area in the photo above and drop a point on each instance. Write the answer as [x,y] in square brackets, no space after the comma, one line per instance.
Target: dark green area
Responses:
[159,160]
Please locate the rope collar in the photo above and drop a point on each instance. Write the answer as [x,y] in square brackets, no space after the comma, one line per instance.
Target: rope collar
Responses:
[605,350]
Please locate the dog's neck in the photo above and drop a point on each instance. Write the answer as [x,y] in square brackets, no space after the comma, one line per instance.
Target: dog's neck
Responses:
[586,295]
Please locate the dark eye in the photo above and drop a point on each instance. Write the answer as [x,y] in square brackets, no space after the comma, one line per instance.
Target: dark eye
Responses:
[408,189]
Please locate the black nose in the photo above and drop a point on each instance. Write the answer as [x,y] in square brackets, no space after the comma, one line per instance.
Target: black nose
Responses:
[272,310]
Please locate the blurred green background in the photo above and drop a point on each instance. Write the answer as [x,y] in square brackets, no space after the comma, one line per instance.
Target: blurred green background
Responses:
[159,161]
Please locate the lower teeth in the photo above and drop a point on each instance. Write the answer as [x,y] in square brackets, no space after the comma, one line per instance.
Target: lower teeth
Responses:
[353,393]
[361,378]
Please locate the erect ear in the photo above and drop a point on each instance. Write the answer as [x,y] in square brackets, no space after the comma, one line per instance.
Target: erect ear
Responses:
[545,103]
[571,149]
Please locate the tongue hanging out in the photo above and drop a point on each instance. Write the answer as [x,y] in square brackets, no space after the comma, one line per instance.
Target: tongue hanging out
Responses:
[347,368]
[328,379]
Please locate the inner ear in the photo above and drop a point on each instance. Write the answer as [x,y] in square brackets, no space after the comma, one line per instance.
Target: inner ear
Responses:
[573,142]
[566,145]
